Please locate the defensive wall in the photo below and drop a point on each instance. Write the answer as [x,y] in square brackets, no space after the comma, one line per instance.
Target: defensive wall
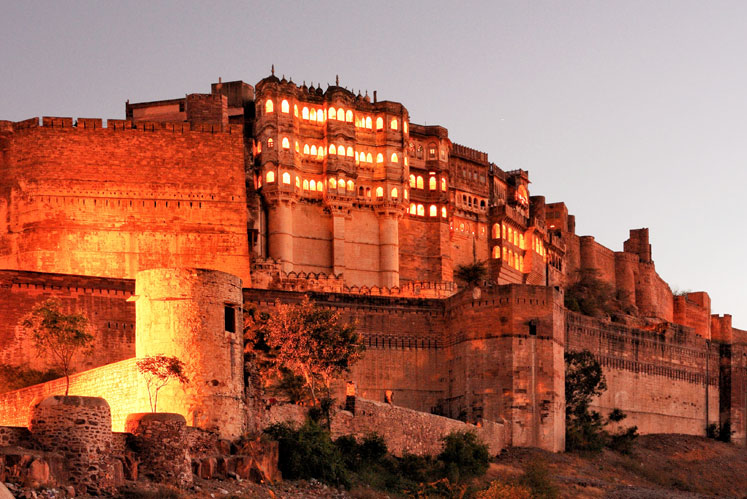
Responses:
[109,201]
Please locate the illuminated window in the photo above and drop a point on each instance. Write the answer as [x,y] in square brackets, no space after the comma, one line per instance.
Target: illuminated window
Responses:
[431,152]
[341,150]
[313,150]
[443,184]
[298,182]
[516,238]
[395,159]
[296,146]
[286,178]
[369,158]
[332,113]
[312,185]
[286,143]
[379,192]
[405,160]
[433,211]
[295,110]
[511,258]
[368,122]
[503,227]
[269,106]
[349,116]
[505,253]
[496,252]
[443,212]
[412,180]
[306,149]
[421,210]
[270,143]
[332,149]
[420,182]
[413,209]
[521,241]
[312,114]
[305,185]
[305,113]
[510,234]
[285,107]
[319,186]
[340,114]
[259,147]
[521,263]
[270,177]
[496,231]
[379,158]
[404,126]
[349,152]
[320,116]
[406,196]
[368,192]
[379,123]
[394,124]
[432,183]
[395,193]
[356,158]
[351,186]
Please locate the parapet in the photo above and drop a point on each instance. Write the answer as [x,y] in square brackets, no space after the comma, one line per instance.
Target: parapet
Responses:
[119,124]
[468,153]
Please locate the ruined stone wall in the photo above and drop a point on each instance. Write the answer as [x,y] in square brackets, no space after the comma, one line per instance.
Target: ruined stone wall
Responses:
[658,378]
[103,301]
[110,201]
[118,383]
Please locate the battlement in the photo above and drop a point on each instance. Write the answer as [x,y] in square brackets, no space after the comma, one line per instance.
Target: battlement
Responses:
[118,124]
[468,153]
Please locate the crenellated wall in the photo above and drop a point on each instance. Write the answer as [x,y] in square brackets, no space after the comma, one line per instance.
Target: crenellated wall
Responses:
[110,201]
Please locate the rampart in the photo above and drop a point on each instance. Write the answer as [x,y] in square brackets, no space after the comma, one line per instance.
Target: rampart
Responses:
[109,201]
[662,379]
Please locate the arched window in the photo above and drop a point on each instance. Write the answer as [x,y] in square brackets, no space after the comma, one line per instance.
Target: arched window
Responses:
[432,183]
[306,149]
[368,122]
[350,152]
[503,230]
[296,146]
[379,123]
[270,177]
[497,252]
[412,180]
[313,150]
[516,237]
[443,211]
[369,158]
[259,147]
[432,151]
[413,209]
[510,234]
[351,186]
[496,232]
[305,185]
[270,143]
[356,158]
[433,210]
[332,149]
[405,160]
[421,210]
[340,114]
[406,196]
[379,192]
[368,192]
[395,159]
[295,110]
[349,116]
[394,124]
[443,184]
[286,143]
[521,241]
[341,150]
[312,114]
[379,158]
[312,185]
[269,107]
[420,182]
[319,186]
[286,178]
[305,113]
[505,253]
[320,116]
[395,193]
[404,126]
[332,113]
[333,183]
[420,152]
[521,263]
[285,107]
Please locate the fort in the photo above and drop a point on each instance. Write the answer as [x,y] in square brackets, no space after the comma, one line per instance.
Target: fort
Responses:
[165,226]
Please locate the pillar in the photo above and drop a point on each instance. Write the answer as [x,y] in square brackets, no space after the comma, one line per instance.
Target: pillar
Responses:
[280,233]
[389,250]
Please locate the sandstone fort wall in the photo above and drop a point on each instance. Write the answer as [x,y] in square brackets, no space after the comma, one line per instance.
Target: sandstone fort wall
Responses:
[110,201]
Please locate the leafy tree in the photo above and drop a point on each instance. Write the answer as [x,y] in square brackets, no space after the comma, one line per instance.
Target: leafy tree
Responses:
[464,455]
[472,273]
[158,370]
[21,376]
[304,340]
[59,335]
[584,428]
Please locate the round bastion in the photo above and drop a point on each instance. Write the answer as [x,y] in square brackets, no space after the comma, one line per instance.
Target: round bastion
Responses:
[196,316]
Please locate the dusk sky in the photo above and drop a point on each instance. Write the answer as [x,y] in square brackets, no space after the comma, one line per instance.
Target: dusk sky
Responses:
[634,113]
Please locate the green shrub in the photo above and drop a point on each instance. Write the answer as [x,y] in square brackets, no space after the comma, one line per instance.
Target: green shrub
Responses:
[464,456]
[308,452]
[537,479]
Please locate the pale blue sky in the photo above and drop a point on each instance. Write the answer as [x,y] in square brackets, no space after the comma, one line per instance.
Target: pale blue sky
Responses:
[632,112]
